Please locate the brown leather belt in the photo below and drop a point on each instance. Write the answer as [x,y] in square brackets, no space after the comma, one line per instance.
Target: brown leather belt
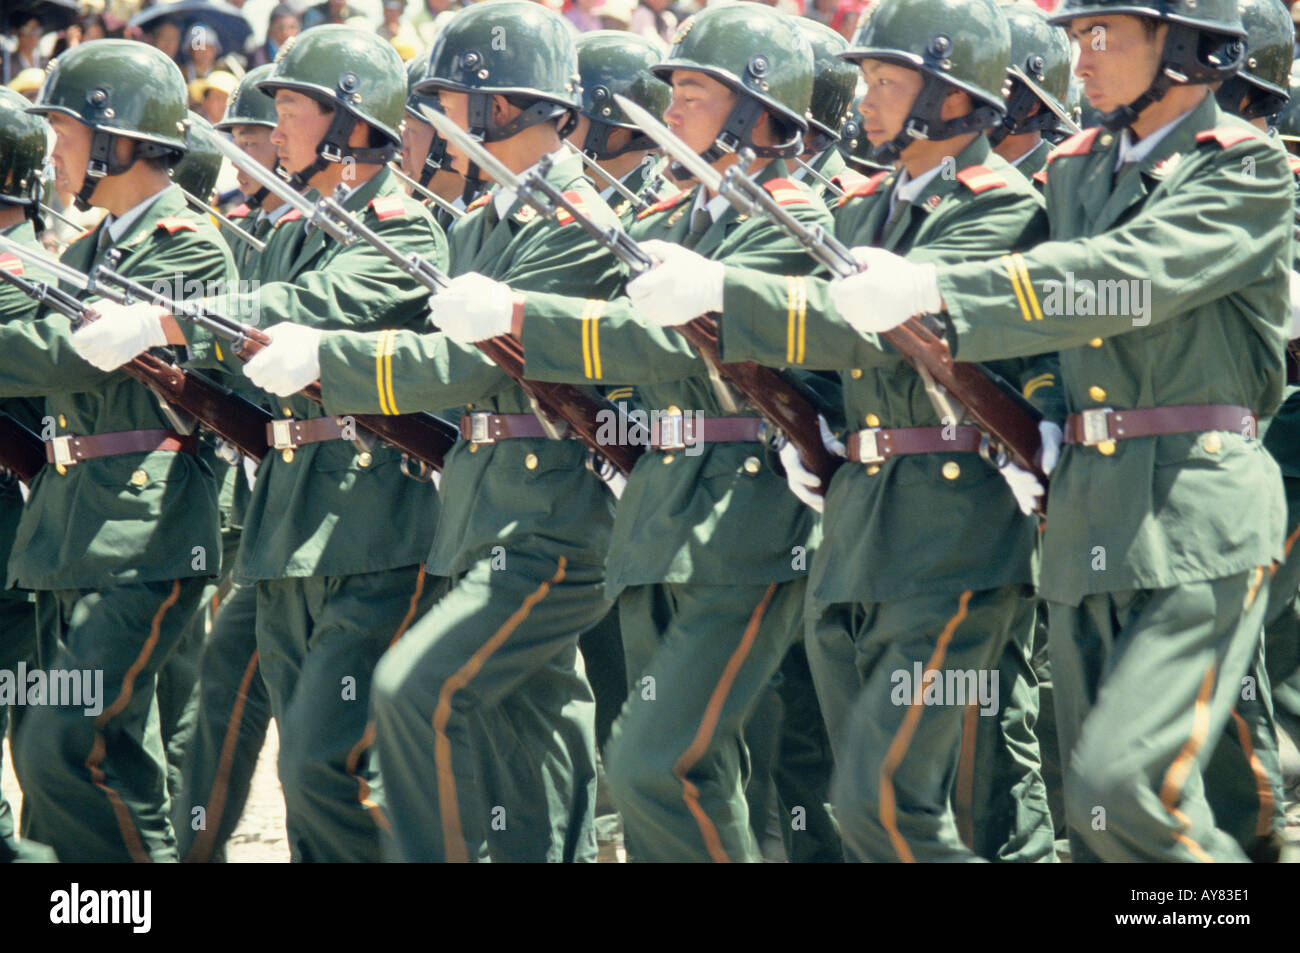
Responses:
[69,450]
[482,427]
[291,432]
[877,445]
[1102,424]
[677,431]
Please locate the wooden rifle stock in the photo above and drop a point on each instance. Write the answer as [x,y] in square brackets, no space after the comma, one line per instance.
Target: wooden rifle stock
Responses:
[22,453]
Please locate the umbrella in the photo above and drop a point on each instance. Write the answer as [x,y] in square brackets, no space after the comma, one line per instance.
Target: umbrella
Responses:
[54,14]
[231,25]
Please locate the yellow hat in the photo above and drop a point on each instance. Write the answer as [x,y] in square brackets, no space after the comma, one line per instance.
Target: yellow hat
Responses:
[28,80]
[218,79]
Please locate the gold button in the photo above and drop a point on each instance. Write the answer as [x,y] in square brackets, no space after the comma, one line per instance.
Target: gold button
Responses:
[674,410]
[364,459]
[63,421]
[668,458]
[1212,443]
[752,465]
[951,470]
[1096,393]
[288,412]
[287,454]
[1106,139]
[530,461]
[856,373]
[872,420]
[139,478]
[60,468]
[469,406]
[1095,342]
[873,470]
[1106,447]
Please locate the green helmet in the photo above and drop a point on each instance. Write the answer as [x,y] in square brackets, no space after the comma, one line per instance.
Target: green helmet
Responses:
[1204,43]
[961,43]
[436,157]
[614,62]
[117,88]
[1264,79]
[23,145]
[1039,71]
[509,48]
[834,81]
[1288,121]
[198,169]
[357,74]
[248,105]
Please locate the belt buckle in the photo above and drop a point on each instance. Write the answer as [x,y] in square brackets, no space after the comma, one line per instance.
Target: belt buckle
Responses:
[63,450]
[1096,425]
[282,435]
[869,447]
[672,432]
[480,430]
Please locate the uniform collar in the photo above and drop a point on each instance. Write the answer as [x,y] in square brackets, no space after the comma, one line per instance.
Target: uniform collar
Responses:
[504,198]
[1129,151]
[117,227]
[280,211]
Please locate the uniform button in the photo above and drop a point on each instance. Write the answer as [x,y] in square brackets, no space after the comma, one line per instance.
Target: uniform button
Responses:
[364,459]
[1106,139]
[60,468]
[288,412]
[856,373]
[951,470]
[673,410]
[287,454]
[1106,447]
[530,461]
[752,465]
[139,478]
[1095,342]
[1096,393]
[1212,443]
[872,420]
[63,421]
[873,469]
[473,448]
[668,458]
[469,406]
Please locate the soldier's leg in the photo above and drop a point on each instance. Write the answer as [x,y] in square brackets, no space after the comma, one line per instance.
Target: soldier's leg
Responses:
[319,640]
[1049,746]
[231,724]
[837,667]
[676,755]
[1000,798]
[897,760]
[17,644]
[762,734]
[1134,757]
[178,690]
[496,633]
[602,653]
[95,783]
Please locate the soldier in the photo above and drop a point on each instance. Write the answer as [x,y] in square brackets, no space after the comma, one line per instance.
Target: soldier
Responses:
[483,714]
[23,146]
[834,84]
[1157,569]
[332,594]
[424,152]
[121,532]
[962,589]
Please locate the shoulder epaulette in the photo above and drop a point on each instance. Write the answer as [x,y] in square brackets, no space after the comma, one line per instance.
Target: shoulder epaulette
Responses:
[665,204]
[785,191]
[1294,163]
[11,263]
[479,202]
[1225,136]
[388,206]
[290,216]
[1041,176]
[1076,145]
[239,211]
[980,178]
[176,223]
[866,188]
[562,216]
[848,180]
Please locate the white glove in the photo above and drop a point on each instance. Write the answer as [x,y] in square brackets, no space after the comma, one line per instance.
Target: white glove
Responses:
[1024,486]
[616,482]
[1295,305]
[121,332]
[681,287]
[886,292]
[803,484]
[1053,437]
[472,308]
[289,363]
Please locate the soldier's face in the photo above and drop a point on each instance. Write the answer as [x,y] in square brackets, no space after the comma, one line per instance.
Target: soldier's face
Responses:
[699,108]
[300,126]
[256,141]
[416,137]
[71,152]
[891,90]
[1118,57]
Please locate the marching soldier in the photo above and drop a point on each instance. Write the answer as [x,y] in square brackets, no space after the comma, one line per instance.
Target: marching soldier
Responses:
[120,533]
[1170,510]
[332,594]
[835,83]
[424,152]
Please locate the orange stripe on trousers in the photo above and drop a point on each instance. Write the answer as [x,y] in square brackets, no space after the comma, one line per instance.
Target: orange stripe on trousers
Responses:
[1182,765]
[1264,821]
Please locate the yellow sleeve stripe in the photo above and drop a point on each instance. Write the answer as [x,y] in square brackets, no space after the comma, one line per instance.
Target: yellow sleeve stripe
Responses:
[1039,382]
[384,372]
[591,311]
[379,371]
[388,371]
[801,304]
[1015,285]
[1019,262]
[216,345]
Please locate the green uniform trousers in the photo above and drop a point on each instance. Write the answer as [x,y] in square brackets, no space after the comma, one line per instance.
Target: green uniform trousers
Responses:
[178,690]
[896,742]
[318,641]
[1143,679]
[485,721]
[1049,746]
[698,659]
[1282,622]
[95,785]
[17,644]
[234,711]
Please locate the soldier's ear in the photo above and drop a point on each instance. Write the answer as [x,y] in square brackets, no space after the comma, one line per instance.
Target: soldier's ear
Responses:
[502,110]
[956,104]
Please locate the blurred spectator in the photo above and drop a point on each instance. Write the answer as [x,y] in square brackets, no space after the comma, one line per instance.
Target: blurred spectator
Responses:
[331,11]
[581,16]
[202,47]
[614,14]
[823,11]
[208,94]
[284,23]
[167,37]
[28,82]
[431,18]
[653,20]
[846,16]
[27,31]
[398,32]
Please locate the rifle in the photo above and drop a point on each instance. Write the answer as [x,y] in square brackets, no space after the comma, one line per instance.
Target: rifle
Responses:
[789,408]
[22,453]
[198,204]
[1008,420]
[232,418]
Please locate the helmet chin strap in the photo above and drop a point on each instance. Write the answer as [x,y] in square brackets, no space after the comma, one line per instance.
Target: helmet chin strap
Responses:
[333,147]
[924,121]
[1260,102]
[738,133]
[596,143]
[434,159]
[1018,120]
[103,162]
[484,128]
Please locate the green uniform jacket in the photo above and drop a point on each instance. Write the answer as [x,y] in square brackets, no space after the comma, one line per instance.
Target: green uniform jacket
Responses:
[685,517]
[316,514]
[1201,234]
[906,529]
[134,517]
[1283,435]
[251,222]
[491,494]
[1034,162]
[828,163]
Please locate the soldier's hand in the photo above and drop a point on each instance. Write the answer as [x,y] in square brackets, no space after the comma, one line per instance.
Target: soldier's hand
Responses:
[121,332]
[289,363]
[886,292]
[806,486]
[472,308]
[680,288]
[1024,487]
[1053,436]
